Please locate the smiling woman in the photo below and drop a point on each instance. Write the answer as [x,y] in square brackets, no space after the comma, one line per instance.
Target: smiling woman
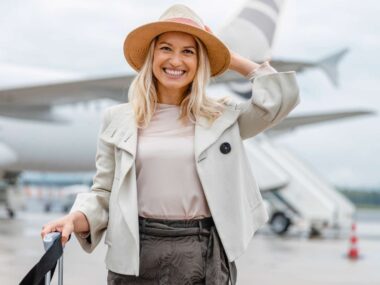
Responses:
[175,194]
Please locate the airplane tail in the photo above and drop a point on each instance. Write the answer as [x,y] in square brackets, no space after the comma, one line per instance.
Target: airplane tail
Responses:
[252,30]
[329,65]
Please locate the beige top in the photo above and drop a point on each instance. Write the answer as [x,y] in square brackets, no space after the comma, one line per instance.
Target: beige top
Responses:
[168,185]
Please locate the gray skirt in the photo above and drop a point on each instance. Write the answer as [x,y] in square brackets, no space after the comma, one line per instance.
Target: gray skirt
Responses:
[179,252]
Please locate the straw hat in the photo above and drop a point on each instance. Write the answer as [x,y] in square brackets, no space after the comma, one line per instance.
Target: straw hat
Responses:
[182,19]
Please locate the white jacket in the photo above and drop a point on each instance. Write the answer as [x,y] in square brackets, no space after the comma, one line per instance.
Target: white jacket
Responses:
[230,188]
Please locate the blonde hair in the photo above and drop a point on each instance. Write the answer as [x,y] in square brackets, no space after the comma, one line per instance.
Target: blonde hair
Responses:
[142,92]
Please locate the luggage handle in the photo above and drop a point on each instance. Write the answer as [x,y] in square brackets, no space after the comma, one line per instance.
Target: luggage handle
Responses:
[48,241]
[42,272]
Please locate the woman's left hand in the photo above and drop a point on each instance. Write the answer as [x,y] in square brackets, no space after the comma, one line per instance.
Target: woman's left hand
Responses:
[238,63]
[207,28]
[242,65]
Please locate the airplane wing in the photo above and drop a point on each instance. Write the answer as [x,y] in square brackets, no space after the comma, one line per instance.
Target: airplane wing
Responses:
[294,121]
[35,102]
[66,92]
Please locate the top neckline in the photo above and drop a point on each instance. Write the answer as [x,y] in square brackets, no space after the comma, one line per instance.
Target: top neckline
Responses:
[168,105]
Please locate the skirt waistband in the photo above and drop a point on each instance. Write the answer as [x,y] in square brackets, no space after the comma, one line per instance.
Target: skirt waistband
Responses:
[205,223]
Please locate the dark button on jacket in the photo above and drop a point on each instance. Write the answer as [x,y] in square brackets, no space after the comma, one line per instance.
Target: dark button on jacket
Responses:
[225,147]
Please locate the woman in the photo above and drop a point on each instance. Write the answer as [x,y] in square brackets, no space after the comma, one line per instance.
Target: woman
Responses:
[173,186]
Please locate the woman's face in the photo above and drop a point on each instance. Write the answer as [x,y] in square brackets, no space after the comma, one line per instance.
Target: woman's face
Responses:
[175,61]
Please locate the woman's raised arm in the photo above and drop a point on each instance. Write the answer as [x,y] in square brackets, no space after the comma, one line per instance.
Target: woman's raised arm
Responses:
[274,95]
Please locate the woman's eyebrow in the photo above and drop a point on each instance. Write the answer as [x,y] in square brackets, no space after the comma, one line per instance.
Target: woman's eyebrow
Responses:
[161,43]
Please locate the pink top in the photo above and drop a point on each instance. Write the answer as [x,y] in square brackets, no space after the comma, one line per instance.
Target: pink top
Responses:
[167,181]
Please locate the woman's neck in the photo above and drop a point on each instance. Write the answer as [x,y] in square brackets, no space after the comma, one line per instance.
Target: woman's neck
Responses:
[170,96]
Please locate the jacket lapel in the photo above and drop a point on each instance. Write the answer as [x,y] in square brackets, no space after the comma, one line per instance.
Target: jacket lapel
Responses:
[204,137]
[122,131]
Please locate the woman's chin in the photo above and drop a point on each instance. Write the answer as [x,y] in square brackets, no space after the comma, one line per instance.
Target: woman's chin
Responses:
[174,84]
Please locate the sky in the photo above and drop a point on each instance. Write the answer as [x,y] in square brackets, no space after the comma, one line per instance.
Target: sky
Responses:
[50,41]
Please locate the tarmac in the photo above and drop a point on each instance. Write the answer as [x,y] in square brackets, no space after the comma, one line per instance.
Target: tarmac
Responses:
[293,259]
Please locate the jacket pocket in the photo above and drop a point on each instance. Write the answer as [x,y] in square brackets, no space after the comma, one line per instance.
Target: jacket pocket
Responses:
[111,209]
[107,239]
[109,235]
[253,196]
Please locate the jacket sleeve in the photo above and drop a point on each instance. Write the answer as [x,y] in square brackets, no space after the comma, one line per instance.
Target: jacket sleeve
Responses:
[94,205]
[274,95]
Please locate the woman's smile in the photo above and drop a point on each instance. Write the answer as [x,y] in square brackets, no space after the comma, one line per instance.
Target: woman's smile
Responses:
[174,73]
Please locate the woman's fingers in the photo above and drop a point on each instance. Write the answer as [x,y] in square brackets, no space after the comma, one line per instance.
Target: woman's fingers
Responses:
[47,229]
[64,226]
[66,232]
[207,28]
[55,226]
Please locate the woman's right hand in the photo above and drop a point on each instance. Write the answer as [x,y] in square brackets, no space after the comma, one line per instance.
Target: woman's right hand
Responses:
[64,225]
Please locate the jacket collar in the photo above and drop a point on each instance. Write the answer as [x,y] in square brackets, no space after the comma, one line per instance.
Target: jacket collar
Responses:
[122,130]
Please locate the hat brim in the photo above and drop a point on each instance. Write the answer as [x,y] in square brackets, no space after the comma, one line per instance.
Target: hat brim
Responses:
[137,43]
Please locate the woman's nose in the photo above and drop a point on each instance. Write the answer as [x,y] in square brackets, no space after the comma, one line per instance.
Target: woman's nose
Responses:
[175,60]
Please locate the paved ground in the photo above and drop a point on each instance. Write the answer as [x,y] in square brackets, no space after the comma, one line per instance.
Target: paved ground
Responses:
[270,260]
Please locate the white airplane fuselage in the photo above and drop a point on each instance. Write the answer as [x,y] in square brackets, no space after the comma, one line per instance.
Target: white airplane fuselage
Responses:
[52,146]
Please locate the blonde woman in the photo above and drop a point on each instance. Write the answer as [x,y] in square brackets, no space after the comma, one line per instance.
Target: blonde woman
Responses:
[173,188]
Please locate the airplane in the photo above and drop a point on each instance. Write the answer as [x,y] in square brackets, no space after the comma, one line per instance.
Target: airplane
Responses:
[53,127]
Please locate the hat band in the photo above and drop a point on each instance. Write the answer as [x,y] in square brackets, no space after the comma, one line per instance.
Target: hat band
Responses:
[185,21]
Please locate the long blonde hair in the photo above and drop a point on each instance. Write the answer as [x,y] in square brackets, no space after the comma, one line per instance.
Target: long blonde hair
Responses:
[142,92]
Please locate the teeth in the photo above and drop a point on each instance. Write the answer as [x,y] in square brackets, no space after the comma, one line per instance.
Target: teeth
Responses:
[174,72]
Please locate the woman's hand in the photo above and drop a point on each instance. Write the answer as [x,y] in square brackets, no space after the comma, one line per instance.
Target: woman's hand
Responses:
[75,221]
[207,28]
[240,64]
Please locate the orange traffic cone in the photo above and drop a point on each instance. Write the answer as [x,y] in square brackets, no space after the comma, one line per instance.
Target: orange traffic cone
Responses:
[353,252]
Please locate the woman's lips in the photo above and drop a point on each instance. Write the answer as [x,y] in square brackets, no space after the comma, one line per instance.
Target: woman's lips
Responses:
[174,73]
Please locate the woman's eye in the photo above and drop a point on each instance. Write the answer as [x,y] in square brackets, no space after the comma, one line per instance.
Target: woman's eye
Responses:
[188,51]
[165,48]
